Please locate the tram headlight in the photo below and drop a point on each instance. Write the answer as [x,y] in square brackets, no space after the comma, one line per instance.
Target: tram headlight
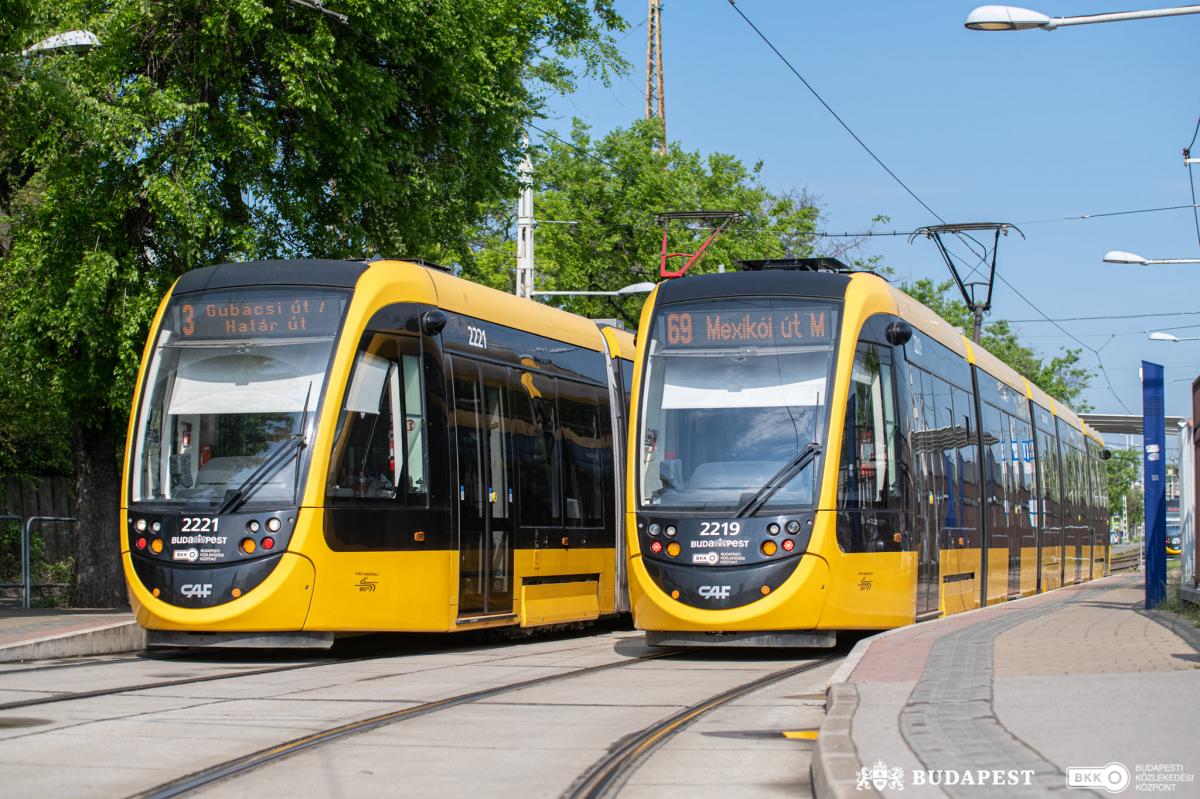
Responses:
[793,527]
[273,524]
[139,525]
[670,531]
[773,528]
[654,529]
[253,526]
[156,527]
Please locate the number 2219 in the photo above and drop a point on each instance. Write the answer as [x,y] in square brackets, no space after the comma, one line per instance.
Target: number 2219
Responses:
[720,528]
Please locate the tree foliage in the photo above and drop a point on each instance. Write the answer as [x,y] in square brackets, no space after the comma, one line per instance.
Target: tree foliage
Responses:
[1062,376]
[609,189]
[199,133]
[1123,469]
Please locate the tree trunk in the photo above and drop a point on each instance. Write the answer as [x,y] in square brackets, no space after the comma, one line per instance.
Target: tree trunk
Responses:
[99,579]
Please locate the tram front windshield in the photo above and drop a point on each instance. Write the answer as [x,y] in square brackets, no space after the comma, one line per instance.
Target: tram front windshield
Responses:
[735,392]
[231,395]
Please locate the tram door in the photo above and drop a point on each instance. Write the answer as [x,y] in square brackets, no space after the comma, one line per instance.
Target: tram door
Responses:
[485,488]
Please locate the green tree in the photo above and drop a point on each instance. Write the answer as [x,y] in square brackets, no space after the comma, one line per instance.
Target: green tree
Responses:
[609,190]
[1062,376]
[206,132]
[1123,469]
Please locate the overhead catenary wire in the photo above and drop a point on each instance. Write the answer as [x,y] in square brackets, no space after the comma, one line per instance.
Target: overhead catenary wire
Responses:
[922,203]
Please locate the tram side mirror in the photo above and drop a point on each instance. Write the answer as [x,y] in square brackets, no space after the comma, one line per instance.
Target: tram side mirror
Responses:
[181,470]
[1105,454]
[898,333]
[432,322]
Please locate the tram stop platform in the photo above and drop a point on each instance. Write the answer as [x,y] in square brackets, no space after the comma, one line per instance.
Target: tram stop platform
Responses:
[43,634]
[1014,699]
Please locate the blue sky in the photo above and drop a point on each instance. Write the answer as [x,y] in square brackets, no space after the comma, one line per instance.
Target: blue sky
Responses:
[1013,127]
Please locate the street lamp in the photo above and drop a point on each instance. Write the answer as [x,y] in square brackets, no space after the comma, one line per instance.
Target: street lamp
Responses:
[624,291]
[1119,257]
[1160,336]
[69,42]
[1012,18]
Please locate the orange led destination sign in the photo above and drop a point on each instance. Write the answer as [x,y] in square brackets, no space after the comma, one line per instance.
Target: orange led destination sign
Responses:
[732,327]
[259,314]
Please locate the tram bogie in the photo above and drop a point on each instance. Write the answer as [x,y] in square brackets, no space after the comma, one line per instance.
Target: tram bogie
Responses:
[323,447]
[814,451]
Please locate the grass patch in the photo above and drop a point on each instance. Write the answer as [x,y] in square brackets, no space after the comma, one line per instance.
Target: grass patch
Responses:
[1173,604]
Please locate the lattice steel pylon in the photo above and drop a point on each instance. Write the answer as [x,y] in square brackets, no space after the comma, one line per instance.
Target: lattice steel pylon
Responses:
[967,287]
[656,100]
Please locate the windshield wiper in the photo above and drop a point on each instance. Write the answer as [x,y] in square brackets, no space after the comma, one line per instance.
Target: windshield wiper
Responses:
[273,463]
[792,468]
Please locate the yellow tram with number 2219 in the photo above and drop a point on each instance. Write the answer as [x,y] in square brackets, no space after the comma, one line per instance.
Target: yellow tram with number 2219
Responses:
[815,451]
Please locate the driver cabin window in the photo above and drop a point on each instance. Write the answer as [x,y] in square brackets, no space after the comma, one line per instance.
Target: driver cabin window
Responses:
[869,498]
[379,450]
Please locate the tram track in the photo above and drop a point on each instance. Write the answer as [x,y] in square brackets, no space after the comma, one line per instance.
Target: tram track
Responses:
[70,696]
[241,765]
[608,774]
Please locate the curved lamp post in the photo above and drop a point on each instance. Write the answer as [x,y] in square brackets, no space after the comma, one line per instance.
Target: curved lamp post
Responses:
[1014,18]
[1159,336]
[1120,257]
[69,42]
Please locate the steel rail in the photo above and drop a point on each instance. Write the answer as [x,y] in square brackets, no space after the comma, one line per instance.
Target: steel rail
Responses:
[240,765]
[128,689]
[608,774]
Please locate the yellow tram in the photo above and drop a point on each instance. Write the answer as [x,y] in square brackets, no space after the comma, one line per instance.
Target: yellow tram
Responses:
[325,447]
[815,451]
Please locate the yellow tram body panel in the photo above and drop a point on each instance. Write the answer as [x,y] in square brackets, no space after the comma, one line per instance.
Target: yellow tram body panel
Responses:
[279,604]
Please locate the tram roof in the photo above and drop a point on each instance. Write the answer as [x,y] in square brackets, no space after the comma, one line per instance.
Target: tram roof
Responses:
[499,307]
[937,328]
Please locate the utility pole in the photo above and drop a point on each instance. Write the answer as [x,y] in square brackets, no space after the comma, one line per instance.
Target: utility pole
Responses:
[524,282]
[656,100]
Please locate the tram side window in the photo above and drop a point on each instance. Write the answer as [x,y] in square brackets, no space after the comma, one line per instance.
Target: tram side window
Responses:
[379,450]
[869,490]
[583,456]
[968,458]
[537,444]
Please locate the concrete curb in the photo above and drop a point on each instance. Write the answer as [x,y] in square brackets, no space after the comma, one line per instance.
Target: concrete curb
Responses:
[835,761]
[124,636]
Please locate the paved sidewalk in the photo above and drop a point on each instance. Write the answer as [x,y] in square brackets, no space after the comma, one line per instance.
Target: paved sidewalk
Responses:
[54,633]
[1020,693]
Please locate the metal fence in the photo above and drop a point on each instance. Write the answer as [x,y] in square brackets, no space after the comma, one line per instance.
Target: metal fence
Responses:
[28,525]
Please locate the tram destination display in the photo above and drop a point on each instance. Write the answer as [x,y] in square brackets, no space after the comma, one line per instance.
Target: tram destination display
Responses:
[258,314]
[739,325]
